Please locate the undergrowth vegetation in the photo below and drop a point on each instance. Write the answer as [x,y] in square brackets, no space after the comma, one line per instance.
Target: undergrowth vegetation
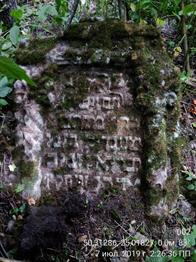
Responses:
[50,18]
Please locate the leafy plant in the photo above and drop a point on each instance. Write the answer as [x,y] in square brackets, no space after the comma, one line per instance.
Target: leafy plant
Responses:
[14,35]
[191,238]
[153,10]
[44,11]
[18,210]
[18,14]
[19,188]
[189,9]
[191,178]
[184,76]
[4,90]
[10,69]
[62,9]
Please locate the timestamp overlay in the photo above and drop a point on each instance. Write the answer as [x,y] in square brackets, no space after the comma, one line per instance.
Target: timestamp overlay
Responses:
[127,247]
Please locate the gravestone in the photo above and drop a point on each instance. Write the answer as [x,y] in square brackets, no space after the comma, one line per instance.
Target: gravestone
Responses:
[103,114]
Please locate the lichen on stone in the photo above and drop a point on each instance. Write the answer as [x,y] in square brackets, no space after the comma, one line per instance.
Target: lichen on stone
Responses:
[29,136]
[158,98]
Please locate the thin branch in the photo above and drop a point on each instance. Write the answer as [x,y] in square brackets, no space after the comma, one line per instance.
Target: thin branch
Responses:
[9,260]
[191,82]
[72,14]
[3,250]
[186,47]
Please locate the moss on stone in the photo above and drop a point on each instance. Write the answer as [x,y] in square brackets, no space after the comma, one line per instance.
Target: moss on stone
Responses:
[47,199]
[159,120]
[18,153]
[94,140]
[155,194]
[77,94]
[35,52]
[60,171]
[111,29]
[27,169]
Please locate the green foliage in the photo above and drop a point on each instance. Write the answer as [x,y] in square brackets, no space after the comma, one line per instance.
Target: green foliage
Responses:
[19,188]
[58,12]
[4,87]
[152,10]
[18,14]
[9,42]
[191,179]
[189,9]
[62,9]
[184,76]
[18,210]
[193,50]
[10,69]
[191,238]
[6,46]
[14,35]
[177,259]
[3,102]
[44,11]
[4,90]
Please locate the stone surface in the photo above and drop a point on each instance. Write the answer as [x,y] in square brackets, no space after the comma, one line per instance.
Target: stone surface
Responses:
[104,114]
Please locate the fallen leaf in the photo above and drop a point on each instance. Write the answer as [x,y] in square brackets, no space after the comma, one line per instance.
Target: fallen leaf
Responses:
[192,108]
[177,51]
[31,201]
[81,239]
[19,217]
[12,167]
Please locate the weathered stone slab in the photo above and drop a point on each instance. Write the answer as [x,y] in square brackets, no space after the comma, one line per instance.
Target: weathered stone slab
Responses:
[104,114]
[99,141]
[91,140]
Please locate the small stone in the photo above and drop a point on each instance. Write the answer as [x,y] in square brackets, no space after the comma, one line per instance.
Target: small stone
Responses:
[171,98]
[162,71]
[19,217]
[184,207]
[82,239]
[14,217]
[163,83]
[132,229]
[10,225]
[133,222]
[134,56]
[31,201]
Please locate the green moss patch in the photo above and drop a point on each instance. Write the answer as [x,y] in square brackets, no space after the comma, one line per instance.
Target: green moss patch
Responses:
[35,52]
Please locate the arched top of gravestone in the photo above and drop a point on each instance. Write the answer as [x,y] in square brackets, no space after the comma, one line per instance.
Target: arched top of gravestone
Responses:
[113,29]
[105,112]
[98,42]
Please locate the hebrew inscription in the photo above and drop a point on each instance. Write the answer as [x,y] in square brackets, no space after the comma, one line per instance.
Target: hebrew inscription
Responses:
[99,141]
